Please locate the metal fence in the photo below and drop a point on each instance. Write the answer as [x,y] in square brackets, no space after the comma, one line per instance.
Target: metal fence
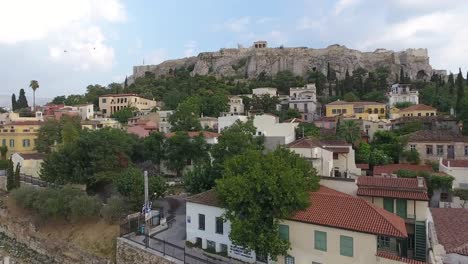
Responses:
[130,230]
[31,180]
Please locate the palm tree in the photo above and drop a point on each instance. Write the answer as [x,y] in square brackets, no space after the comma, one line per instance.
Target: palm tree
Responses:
[349,130]
[34,85]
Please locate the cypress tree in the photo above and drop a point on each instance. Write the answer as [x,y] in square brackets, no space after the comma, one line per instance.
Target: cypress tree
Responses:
[22,101]
[460,91]
[17,176]
[125,83]
[467,78]
[451,83]
[329,79]
[10,176]
[348,83]
[402,75]
[14,104]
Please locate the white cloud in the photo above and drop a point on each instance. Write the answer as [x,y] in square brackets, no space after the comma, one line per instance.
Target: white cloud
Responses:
[344,4]
[234,25]
[190,48]
[307,23]
[156,56]
[71,25]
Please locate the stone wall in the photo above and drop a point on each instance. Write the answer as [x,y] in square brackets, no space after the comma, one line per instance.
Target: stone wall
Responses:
[129,252]
[61,252]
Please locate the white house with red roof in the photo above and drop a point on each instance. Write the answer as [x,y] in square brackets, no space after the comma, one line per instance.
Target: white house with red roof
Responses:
[335,228]
[406,197]
[329,157]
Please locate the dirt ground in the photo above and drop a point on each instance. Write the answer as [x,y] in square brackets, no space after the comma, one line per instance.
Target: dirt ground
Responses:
[93,235]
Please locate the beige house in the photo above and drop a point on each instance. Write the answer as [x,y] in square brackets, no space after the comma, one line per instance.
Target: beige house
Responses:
[433,145]
[418,110]
[408,199]
[236,106]
[98,123]
[209,122]
[111,103]
[164,124]
[340,228]
[31,163]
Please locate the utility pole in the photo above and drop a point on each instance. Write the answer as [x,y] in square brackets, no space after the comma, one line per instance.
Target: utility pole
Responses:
[147,209]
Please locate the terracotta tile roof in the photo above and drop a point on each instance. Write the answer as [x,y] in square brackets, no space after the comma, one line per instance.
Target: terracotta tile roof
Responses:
[326,119]
[303,143]
[456,163]
[393,168]
[403,188]
[335,209]
[387,255]
[337,150]
[192,134]
[331,145]
[418,107]
[451,226]
[140,131]
[363,166]
[119,95]
[436,136]
[207,198]
[32,156]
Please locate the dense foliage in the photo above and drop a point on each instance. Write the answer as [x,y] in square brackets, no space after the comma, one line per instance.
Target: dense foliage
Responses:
[433,181]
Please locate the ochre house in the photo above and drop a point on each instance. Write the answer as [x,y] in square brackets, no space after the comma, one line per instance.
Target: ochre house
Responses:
[111,103]
[20,136]
[418,110]
[358,110]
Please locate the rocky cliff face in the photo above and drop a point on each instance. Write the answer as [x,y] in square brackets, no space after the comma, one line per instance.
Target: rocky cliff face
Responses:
[250,62]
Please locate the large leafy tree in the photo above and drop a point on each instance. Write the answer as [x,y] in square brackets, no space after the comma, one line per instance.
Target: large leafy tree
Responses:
[258,190]
[22,101]
[34,85]
[391,144]
[124,114]
[264,103]
[349,130]
[153,146]
[187,115]
[51,133]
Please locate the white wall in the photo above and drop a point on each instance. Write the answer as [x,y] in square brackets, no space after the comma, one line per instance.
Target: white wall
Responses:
[227,121]
[346,162]
[269,126]
[322,159]
[459,173]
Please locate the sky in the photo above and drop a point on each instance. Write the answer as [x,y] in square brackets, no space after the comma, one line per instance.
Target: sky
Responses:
[69,44]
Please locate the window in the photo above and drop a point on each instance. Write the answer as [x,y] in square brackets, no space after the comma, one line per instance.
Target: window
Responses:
[211,245]
[201,221]
[383,242]
[12,143]
[346,246]
[419,114]
[104,111]
[335,156]
[466,150]
[26,143]
[295,106]
[224,248]
[358,110]
[444,196]
[3,142]
[401,209]
[343,111]
[388,204]
[320,240]
[429,150]
[334,111]
[104,100]
[284,232]
[440,150]
[427,114]
[219,225]
[376,111]
[288,260]
[381,126]
[382,111]
[412,147]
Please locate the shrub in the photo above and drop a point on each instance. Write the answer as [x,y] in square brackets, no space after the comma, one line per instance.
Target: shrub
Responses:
[411,156]
[114,209]
[84,207]
[3,164]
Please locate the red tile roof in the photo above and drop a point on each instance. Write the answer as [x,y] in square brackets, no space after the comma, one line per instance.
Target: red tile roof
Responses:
[456,163]
[418,107]
[451,226]
[207,198]
[387,255]
[32,156]
[363,166]
[192,134]
[404,188]
[393,168]
[436,136]
[303,143]
[331,145]
[340,210]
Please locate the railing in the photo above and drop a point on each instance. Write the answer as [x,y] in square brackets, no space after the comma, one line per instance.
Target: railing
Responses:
[31,180]
[130,230]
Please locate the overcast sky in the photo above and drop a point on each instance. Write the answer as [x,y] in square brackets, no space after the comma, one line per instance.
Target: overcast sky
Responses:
[68,44]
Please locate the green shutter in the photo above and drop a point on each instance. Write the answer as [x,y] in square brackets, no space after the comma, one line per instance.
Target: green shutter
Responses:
[284,232]
[346,246]
[388,204]
[401,208]
[320,240]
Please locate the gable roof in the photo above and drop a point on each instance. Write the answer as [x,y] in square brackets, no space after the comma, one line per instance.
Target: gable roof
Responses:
[336,209]
[403,188]
[436,136]
[383,254]
[207,198]
[32,156]
[456,163]
[393,168]
[451,226]
[331,145]
[192,134]
[418,107]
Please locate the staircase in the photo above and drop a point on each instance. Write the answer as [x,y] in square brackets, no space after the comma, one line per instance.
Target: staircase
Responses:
[420,241]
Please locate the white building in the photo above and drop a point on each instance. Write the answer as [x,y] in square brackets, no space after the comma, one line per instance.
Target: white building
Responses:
[457,169]
[86,111]
[304,99]
[236,106]
[30,163]
[229,120]
[265,91]
[164,125]
[400,93]
[333,158]
[275,133]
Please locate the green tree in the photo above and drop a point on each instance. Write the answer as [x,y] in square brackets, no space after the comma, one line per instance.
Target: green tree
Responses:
[124,114]
[460,92]
[75,99]
[49,134]
[201,178]
[348,82]
[451,83]
[363,152]
[264,103]
[3,152]
[187,115]
[34,85]
[59,99]
[22,101]
[14,103]
[258,190]
[318,78]
[350,97]
[349,131]
[402,105]
[17,178]
[379,157]
[307,130]
[389,143]
[70,131]
[154,148]
[10,176]
[402,75]
[411,156]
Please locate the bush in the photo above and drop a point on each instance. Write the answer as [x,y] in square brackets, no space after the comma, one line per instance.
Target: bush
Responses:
[114,209]
[3,164]
[411,156]
[84,207]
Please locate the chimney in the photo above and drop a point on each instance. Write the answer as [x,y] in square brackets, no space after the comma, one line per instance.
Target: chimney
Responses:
[420,182]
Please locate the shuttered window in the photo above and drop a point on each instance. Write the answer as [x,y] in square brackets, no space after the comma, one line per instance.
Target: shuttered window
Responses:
[401,209]
[388,204]
[284,232]
[346,246]
[320,240]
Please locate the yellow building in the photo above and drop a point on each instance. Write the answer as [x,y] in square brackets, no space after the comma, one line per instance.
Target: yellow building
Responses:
[98,123]
[111,103]
[359,110]
[418,110]
[20,136]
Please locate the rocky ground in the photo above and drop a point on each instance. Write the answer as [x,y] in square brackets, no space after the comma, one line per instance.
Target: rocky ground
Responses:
[19,253]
